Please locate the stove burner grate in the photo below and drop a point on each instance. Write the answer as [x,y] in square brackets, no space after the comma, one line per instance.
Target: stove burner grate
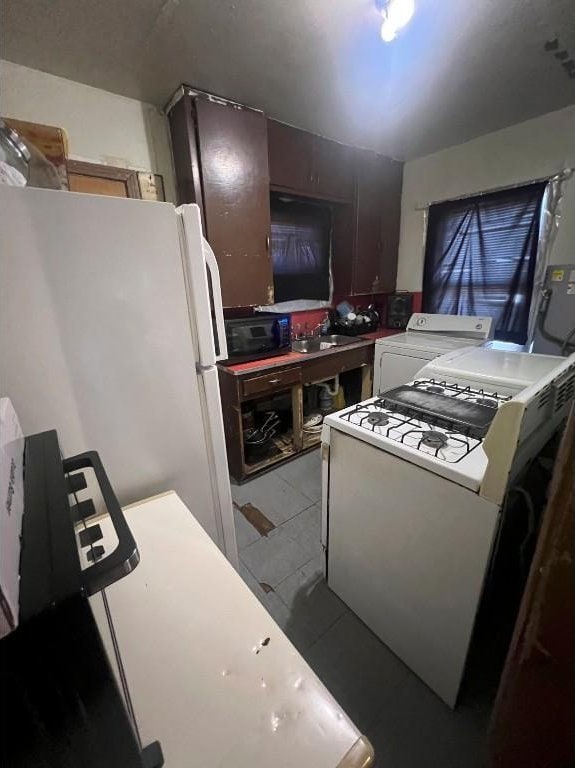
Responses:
[378,419]
[433,439]
[412,430]
[487,401]
[478,396]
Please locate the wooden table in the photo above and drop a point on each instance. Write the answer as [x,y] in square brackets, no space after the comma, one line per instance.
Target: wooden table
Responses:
[261,379]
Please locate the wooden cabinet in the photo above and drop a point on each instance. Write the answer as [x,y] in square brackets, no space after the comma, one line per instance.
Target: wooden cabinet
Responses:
[392,177]
[309,165]
[366,190]
[220,153]
[333,169]
[290,157]
[273,381]
[227,157]
[379,182]
[244,391]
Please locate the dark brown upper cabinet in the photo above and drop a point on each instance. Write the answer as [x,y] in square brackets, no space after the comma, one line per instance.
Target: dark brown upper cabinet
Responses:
[333,169]
[221,163]
[379,181]
[309,165]
[290,157]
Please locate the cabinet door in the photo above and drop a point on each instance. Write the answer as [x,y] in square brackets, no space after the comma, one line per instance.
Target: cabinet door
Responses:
[392,173]
[290,153]
[333,170]
[235,184]
[378,213]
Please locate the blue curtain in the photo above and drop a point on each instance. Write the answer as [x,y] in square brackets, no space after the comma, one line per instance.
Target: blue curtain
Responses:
[480,258]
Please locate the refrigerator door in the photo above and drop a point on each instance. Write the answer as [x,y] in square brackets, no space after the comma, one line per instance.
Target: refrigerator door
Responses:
[212,414]
[203,287]
[96,340]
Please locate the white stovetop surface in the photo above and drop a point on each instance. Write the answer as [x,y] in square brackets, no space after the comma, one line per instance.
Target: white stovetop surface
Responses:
[490,367]
[211,675]
[451,463]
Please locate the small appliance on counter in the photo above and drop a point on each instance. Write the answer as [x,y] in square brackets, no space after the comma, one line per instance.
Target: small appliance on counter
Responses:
[61,704]
[399,309]
[264,334]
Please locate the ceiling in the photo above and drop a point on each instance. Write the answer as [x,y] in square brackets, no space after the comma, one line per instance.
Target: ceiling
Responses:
[459,70]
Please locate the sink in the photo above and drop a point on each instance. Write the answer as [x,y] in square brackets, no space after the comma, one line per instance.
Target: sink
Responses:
[316,344]
[338,340]
[306,345]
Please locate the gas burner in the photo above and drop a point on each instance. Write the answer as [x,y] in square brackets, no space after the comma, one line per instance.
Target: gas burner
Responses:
[478,396]
[378,419]
[488,401]
[435,440]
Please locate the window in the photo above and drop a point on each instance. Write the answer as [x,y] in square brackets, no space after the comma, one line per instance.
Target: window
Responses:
[300,247]
[480,258]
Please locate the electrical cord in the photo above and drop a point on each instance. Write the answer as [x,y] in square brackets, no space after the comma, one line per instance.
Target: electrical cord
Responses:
[531,525]
[565,344]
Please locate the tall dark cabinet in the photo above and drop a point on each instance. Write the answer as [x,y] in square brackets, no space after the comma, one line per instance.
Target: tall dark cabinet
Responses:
[228,158]
[221,160]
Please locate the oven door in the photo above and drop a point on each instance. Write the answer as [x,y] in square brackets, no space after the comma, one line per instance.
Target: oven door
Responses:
[63,704]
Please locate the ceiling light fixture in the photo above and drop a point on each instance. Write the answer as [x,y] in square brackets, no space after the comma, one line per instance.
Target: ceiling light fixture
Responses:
[396,14]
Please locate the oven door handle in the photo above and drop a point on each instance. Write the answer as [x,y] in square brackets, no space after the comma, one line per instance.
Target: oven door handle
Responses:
[125,557]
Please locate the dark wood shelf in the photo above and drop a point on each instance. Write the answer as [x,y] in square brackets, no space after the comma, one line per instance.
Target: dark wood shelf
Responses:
[286,450]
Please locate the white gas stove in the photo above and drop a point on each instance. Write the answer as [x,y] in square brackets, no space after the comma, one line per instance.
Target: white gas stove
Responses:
[413,484]
[445,439]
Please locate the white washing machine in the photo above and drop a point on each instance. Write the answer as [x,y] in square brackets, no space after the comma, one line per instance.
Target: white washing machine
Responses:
[398,358]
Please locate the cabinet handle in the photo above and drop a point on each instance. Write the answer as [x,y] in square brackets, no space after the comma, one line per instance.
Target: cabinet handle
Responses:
[274,381]
[317,179]
[268,243]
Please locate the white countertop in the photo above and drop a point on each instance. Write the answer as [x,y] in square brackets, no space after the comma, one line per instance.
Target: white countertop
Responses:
[211,675]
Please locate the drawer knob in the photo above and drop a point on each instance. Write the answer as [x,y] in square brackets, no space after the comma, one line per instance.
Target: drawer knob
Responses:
[274,381]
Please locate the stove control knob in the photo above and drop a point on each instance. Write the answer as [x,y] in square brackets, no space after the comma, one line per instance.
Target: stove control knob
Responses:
[420,321]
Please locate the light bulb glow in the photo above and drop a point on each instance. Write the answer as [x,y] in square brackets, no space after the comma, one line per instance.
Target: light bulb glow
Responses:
[396,14]
[388,33]
[399,12]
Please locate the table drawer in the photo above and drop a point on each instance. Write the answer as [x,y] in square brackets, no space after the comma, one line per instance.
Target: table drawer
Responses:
[331,365]
[270,382]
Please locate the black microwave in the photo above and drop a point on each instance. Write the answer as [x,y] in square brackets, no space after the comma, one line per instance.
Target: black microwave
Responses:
[264,334]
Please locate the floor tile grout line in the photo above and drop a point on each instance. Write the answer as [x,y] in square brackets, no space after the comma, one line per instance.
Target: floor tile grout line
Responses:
[305,509]
[254,577]
[291,485]
[277,527]
[307,562]
[331,626]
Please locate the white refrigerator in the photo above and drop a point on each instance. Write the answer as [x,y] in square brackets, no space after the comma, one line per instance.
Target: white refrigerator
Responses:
[110,333]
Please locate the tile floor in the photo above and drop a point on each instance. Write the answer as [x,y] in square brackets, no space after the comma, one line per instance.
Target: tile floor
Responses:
[408,724]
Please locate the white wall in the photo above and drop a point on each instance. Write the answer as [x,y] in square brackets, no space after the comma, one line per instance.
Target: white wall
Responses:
[101,126]
[531,150]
